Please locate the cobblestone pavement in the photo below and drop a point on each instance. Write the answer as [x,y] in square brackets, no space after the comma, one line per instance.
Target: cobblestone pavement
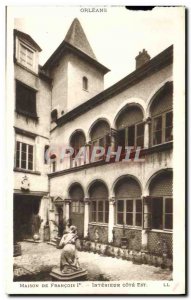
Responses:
[40,258]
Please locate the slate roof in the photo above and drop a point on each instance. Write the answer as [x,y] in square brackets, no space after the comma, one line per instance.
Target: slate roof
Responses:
[77,38]
[76,42]
[28,38]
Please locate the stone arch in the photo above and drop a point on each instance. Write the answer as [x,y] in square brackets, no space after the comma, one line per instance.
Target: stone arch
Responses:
[153,176]
[95,123]
[94,182]
[74,184]
[124,178]
[155,93]
[133,102]
[76,191]
[75,133]
[99,204]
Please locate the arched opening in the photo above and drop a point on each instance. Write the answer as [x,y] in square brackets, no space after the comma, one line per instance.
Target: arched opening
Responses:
[162,115]
[160,204]
[130,127]
[100,137]
[85,83]
[99,205]
[128,202]
[77,141]
[77,207]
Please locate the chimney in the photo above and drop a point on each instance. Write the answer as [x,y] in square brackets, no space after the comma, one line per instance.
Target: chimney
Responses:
[142,58]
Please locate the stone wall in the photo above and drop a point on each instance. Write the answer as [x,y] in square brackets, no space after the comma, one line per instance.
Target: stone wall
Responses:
[133,236]
[102,233]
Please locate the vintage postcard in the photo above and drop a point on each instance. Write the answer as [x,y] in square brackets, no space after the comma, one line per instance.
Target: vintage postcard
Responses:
[95,150]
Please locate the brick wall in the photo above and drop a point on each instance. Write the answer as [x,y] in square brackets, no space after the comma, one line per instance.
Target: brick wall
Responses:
[134,238]
[155,242]
[161,185]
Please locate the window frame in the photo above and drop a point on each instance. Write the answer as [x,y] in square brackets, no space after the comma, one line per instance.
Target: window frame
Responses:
[149,214]
[135,134]
[20,110]
[78,207]
[19,159]
[134,212]
[163,127]
[97,211]
[28,47]
[106,144]
[85,83]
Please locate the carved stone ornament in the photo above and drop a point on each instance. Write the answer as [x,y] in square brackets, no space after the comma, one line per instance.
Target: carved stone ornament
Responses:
[25,184]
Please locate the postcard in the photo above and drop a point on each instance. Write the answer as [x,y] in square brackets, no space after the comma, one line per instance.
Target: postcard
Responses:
[95,131]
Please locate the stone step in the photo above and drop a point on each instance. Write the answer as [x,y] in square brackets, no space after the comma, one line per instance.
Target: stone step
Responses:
[32,241]
[52,243]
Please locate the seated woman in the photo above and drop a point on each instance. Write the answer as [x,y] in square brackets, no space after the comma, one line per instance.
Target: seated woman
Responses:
[69,260]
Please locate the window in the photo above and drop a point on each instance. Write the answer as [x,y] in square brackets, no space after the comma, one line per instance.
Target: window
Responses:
[26,56]
[99,210]
[85,83]
[168,127]
[129,212]
[78,141]
[24,156]
[159,213]
[162,127]
[25,100]
[77,207]
[104,142]
[131,136]
[168,213]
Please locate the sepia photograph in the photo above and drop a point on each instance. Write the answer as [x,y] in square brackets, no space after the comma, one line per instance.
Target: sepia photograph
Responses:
[95,122]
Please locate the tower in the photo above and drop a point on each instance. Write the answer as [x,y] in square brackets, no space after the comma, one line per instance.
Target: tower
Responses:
[77,75]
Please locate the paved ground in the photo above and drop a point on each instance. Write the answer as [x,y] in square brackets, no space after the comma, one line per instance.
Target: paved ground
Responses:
[40,258]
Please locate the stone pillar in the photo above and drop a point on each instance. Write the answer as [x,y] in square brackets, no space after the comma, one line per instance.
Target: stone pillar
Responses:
[67,208]
[146,133]
[111,219]
[86,216]
[145,225]
[87,158]
[43,212]
[112,142]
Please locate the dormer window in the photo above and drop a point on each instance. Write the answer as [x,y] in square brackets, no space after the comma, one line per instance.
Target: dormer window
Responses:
[26,56]
[26,51]
[85,83]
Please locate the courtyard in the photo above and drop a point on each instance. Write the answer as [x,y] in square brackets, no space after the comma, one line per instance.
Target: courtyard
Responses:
[38,259]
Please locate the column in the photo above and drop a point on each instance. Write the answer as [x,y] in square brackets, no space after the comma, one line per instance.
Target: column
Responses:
[113,141]
[43,213]
[88,152]
[145,225]
[67,208]
[86,216]
[146,133]
[111,219]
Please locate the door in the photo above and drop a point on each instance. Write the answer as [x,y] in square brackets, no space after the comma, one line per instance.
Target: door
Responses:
[77,216]
[60,221]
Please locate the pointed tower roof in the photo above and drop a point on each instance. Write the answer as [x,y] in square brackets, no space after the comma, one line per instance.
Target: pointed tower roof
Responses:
[77,38]
[77,43]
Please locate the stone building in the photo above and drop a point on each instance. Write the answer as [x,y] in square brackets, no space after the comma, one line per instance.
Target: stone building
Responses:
[64,103]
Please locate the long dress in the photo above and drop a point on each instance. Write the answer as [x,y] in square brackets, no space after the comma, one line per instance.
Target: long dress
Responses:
[68,258]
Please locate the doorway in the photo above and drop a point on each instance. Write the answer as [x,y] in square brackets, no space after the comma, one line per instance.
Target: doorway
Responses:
[24,207]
